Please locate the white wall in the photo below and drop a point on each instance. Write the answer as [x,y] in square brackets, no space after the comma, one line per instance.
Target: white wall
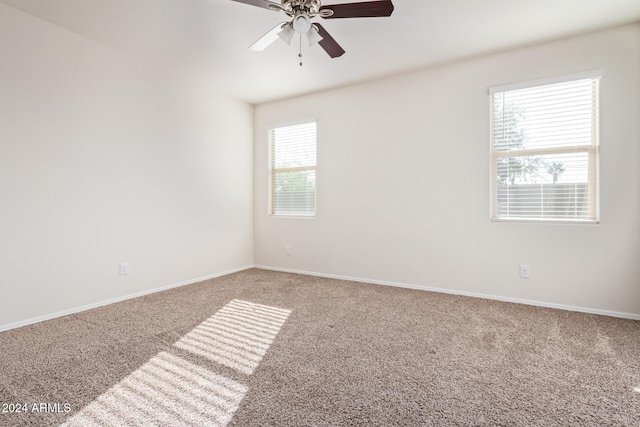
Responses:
[403,183]
[104,159]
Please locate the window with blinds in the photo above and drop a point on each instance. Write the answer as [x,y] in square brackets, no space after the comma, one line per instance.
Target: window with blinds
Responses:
[292,170]
[544,151]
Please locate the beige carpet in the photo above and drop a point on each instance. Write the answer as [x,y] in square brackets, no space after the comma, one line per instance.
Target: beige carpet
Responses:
[261,348]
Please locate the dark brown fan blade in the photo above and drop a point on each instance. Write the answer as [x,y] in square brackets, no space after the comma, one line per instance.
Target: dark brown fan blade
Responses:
[260,3]
[367,9]
[328,43]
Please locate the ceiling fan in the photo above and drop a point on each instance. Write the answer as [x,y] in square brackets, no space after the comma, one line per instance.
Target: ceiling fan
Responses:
[302,12]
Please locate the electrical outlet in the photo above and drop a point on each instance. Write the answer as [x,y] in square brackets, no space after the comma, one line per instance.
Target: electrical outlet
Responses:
[524,271]
[287,250]
[124,268]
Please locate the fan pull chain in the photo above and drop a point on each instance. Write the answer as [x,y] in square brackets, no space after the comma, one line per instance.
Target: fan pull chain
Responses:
[300,54]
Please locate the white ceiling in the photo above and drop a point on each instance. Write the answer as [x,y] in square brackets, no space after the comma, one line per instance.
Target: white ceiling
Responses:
[210,37]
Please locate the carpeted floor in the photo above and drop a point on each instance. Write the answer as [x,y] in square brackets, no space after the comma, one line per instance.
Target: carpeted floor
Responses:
[262,348]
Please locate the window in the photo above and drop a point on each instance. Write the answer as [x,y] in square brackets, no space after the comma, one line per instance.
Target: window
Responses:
[292,170]
[544,151]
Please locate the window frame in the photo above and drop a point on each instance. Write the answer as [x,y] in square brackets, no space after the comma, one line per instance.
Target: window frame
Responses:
[592,150]
[273,171]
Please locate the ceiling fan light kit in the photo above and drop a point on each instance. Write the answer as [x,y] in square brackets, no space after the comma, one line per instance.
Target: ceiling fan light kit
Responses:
[302,12]
[302,23]
[286,33]
[314,36]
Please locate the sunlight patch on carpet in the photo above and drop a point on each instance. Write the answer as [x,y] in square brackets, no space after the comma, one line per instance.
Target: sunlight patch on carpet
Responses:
[637,389]
[237,336]
[167,390]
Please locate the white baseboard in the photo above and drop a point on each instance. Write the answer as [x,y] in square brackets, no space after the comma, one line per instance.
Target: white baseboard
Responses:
[329,276]
[463,293]
[115,300]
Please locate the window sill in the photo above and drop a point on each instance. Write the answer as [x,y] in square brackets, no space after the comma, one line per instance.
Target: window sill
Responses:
[546,221]
[292,216]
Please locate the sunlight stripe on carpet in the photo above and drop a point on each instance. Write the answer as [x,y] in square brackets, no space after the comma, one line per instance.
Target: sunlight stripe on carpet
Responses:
[237,336]
[167,390]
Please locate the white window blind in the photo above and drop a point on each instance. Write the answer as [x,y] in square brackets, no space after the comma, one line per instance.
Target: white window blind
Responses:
[293,170]
[544,152]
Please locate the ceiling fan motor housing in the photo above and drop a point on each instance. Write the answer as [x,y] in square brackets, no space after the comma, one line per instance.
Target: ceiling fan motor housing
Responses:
[308,7]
